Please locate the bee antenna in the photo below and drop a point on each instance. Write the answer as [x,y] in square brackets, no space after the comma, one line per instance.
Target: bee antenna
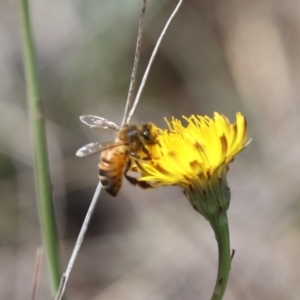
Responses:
[129,101]
[138,95]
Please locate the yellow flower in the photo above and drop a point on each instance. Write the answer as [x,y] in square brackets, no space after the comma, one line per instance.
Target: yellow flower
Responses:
[196,157]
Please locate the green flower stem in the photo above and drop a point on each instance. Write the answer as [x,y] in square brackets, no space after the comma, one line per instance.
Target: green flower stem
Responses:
[43,182]
[219,223]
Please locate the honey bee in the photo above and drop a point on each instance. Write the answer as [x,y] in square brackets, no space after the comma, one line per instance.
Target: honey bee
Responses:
[116,157]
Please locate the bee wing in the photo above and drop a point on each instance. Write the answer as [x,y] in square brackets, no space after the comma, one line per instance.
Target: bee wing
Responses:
[96,122]
[94,148]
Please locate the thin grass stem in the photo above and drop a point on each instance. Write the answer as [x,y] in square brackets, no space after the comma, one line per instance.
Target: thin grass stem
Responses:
[66,275]
[41,163]
[129,101]
[138,95]
[36,275]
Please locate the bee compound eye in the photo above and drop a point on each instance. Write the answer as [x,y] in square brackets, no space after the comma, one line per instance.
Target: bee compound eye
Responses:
[146,135]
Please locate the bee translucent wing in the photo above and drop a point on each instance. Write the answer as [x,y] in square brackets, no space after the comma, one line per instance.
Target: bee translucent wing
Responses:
[96,122]
[94,148]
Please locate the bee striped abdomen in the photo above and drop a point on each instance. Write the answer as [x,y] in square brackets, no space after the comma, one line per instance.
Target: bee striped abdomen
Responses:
[111,167]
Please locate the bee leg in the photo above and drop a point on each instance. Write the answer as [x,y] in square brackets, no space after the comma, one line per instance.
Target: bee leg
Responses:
[135,155]
[142,184]
[146,151]
[134,181]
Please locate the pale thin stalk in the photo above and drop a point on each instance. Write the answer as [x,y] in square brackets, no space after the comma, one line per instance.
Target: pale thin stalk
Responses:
[138,95]
[135,64]
[42,172]
[66,275]
[36,275]
[221,230]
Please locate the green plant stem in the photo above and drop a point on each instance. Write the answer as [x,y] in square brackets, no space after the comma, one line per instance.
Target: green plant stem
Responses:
[220,226]
[43,181]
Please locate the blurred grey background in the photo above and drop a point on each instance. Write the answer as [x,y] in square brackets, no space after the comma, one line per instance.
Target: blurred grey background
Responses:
[224,56]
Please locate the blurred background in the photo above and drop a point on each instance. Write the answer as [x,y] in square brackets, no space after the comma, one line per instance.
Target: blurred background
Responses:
[226,56]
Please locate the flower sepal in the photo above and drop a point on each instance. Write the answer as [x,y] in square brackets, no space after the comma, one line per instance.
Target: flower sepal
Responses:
[209,196]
